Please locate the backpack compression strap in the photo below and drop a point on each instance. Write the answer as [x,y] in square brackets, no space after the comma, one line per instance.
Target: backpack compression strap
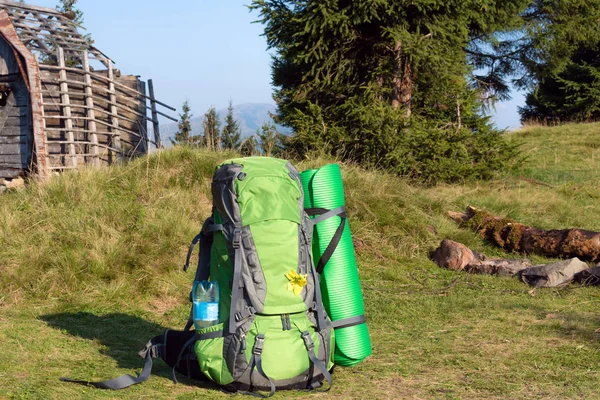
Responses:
[154,348]
[310,348]
[323,214]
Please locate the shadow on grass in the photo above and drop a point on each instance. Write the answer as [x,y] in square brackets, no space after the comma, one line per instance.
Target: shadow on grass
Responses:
[121,335]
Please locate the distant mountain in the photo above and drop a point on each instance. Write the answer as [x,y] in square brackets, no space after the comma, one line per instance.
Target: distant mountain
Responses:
[250,116]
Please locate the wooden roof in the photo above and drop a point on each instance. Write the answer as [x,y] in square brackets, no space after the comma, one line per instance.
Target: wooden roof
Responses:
[43,30]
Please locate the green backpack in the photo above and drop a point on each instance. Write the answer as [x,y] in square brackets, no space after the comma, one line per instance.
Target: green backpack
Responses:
[273,331]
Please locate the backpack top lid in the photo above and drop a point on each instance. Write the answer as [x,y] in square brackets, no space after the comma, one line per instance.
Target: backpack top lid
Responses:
[267,189]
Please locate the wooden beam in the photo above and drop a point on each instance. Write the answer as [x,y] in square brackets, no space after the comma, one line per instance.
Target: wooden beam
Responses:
[64,87]
[89,101]
[155,125]
[123,107]
[117,84]
[96,109]
[45,10]
[89,131]
[114,114]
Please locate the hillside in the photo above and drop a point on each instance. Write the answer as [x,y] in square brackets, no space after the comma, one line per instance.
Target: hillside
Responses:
[250,116]
[90,269]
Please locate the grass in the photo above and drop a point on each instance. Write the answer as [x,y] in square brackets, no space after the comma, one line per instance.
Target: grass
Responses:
[90,269]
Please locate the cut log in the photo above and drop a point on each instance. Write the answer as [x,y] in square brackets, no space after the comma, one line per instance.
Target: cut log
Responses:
[458,257]
[516,237]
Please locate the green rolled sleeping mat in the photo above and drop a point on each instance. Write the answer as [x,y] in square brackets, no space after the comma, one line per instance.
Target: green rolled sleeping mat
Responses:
[340,283]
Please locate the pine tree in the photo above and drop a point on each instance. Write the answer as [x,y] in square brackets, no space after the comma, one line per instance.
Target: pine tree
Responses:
[231,131]
[248,147]
[572,95]
[212,134]
[183,136]
[360,78]
[268,138]
[564,70]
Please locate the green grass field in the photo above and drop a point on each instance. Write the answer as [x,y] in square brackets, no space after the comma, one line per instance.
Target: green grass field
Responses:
[90,269]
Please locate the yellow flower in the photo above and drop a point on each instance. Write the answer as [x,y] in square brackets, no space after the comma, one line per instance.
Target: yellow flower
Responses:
[297,281]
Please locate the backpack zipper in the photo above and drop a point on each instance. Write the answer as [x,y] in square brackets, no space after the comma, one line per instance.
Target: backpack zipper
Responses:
[286,324]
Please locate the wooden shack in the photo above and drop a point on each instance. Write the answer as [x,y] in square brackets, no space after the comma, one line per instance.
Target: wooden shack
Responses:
[62,102]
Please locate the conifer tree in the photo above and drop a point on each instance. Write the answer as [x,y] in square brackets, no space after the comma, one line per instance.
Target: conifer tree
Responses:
[268,138]
[370,80]
[248,147]
[183,136]
[211,125]
[231,131]
[563,67]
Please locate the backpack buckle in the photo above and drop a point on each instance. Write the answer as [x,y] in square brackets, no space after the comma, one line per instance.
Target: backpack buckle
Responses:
[308,341]
[237,238]
[239,316]
[258,345]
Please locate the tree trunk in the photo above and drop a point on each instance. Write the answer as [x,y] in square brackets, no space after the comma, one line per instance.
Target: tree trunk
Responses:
[515,237]
[403,82]
[458,257]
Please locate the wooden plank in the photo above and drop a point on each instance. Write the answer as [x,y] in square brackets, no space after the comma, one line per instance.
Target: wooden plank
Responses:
[8,172]
[143,123]
[98,98]
[91,115]
[18,149]
[117,84]
[64,87]
[114,111]
[10,140]
[96,121]
[82,142]
[15,5]
[97,109]
[155,125]
[16,160]
[14,121]
[12,131]
[16,111]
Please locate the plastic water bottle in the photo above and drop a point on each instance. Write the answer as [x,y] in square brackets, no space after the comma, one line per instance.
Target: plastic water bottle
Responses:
[205,296]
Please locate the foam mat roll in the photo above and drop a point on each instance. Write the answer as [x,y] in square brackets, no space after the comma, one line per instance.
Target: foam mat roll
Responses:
[340,283]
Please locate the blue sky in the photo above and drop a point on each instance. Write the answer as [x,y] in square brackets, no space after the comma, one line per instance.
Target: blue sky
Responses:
[201,50]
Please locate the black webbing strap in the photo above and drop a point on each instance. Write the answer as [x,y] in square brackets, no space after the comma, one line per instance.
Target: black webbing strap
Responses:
[152,350]
[256,362]
[205,239]
[237,285]
[186,347]
[346,322]
[191,250]
[310,348]
[203,270]
[318,296]
[210,335]
[323,214]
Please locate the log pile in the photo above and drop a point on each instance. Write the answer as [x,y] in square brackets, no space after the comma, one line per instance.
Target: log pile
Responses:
[519,238]
[458,257]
